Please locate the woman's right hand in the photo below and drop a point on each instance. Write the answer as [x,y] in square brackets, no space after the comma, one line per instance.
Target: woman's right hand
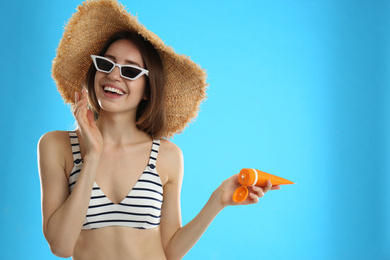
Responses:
[90,133]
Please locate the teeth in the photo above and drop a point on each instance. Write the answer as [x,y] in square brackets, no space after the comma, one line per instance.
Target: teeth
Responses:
[115,90]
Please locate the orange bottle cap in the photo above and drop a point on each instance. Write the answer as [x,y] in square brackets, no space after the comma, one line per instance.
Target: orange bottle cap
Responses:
[240,194]
[248,177]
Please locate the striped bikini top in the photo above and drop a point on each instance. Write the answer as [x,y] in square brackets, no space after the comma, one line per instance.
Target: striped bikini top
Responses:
[140,209]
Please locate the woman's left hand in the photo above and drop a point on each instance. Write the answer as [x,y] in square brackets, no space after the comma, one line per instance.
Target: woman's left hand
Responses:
[228,187]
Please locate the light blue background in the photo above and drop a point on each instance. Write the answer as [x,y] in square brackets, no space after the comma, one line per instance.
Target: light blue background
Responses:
[299,89]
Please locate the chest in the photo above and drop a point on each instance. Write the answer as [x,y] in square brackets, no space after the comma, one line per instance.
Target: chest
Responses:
[119,170]
[127,191]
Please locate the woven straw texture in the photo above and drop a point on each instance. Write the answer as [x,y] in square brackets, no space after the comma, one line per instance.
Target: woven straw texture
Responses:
[86,32]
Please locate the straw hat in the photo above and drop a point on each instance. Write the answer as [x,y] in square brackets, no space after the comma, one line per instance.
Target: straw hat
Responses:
[91,26]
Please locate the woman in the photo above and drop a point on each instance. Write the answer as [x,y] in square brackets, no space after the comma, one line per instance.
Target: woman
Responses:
[111,189]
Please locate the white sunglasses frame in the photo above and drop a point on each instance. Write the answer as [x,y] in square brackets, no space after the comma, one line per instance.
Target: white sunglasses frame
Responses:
[143,71]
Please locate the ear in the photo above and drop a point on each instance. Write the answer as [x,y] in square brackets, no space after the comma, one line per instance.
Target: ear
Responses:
[146,95]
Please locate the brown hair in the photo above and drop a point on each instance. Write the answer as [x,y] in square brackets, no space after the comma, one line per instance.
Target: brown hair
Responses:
[150,115]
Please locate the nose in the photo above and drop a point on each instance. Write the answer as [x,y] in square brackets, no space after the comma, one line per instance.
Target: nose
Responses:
[114,74]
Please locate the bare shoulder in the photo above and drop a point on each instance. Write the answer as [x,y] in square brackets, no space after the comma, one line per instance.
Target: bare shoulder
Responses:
[56,140]
[55,146]
[54,136]
[170,160]
[170,150]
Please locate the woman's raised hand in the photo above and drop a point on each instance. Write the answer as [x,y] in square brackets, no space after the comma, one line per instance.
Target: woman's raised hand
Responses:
[228,187]
[90,133]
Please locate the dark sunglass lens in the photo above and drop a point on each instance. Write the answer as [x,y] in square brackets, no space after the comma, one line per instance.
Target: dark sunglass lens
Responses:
[104,65]
[130,72]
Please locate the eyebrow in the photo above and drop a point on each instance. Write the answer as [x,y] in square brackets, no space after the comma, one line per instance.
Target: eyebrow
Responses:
[127,61]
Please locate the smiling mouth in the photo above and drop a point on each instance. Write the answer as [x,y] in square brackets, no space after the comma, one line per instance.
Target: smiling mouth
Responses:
[113,90]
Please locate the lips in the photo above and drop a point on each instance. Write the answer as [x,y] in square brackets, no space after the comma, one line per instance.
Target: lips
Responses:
[112,91]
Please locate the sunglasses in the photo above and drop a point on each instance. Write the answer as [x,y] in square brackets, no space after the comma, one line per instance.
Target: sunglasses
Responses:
[127,71]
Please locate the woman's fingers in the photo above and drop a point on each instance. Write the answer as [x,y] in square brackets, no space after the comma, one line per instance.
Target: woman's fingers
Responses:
[80,110]
[230,185]
[259,191]
[76,101]
[268,186]
[76,97]
[254,198]
[90,134]
[91,118]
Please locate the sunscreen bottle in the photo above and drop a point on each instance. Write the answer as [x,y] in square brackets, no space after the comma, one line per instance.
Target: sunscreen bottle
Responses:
[252,177]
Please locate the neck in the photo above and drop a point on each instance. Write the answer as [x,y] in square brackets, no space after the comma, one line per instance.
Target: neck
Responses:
[119,129]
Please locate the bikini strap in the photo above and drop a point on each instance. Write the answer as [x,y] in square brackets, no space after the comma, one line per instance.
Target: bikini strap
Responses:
[74,141]
[154,153]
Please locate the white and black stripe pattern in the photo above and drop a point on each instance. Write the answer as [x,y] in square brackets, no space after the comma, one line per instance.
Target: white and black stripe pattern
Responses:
[77,161]
[140,209]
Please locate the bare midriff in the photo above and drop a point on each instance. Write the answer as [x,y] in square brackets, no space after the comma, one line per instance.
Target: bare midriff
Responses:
[119,243]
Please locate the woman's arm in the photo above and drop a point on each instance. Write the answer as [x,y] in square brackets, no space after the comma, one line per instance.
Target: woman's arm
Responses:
[178,240]
[63,214]
[186,237]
